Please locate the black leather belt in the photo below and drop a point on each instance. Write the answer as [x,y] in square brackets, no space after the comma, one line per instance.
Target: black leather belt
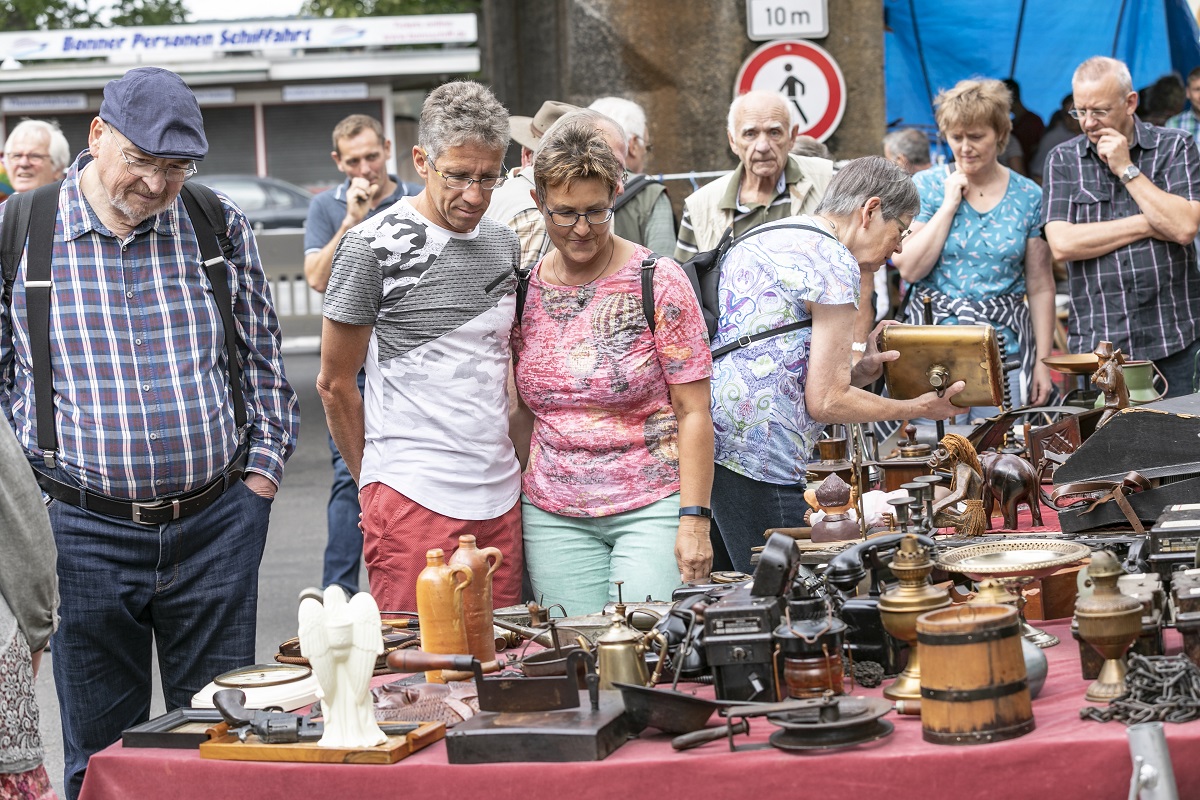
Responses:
[153,512]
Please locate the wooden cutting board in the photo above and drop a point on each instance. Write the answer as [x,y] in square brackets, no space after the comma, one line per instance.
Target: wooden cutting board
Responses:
[229,748]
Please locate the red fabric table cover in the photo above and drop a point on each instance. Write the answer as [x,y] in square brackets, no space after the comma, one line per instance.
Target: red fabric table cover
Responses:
[1063,759]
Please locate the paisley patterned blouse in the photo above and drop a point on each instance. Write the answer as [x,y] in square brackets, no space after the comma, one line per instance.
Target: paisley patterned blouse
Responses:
[763,429]
[605,439]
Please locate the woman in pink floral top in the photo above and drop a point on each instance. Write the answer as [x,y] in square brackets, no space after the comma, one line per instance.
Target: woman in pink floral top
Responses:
[621,451]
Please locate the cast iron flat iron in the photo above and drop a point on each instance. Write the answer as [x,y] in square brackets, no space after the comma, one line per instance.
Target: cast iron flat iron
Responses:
[509,695]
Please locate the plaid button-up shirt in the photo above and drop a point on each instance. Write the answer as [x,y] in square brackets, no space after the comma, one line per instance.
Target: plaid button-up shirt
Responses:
[1143,297]
[141,391]
[1186,120]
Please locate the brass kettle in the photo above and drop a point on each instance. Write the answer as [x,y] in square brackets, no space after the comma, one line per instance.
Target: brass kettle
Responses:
[621,654]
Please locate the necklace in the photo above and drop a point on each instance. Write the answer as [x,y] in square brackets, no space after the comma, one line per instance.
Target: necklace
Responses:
[594,278]
[832,225]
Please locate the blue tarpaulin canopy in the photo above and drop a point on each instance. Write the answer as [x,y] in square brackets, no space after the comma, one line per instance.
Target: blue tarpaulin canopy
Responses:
[932,44]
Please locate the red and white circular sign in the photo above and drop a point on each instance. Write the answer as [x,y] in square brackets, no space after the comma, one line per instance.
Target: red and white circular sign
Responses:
[808,78]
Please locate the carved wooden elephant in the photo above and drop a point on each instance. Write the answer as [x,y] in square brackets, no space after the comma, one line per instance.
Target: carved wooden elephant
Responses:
[1011,480]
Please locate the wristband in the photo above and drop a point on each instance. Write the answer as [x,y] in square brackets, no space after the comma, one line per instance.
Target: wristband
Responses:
[695,511]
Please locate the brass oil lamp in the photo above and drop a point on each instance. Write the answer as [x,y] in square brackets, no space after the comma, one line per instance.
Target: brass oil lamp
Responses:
[1110,622]
[900,607]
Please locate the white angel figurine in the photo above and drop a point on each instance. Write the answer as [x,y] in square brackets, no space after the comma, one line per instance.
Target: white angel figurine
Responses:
[342,640]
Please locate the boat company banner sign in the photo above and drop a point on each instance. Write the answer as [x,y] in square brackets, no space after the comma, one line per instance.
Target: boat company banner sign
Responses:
[297,34]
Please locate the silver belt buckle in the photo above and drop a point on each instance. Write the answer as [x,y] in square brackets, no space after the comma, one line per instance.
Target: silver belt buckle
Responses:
[138,508]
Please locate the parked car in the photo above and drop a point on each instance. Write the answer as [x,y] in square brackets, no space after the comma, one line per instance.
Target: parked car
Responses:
[269,203]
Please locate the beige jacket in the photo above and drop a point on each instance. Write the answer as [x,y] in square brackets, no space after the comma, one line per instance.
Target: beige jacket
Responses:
[709,220]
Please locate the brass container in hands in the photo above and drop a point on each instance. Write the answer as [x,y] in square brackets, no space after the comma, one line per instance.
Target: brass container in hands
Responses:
[900,607]
[1110,622]
[477,598]
[932,357]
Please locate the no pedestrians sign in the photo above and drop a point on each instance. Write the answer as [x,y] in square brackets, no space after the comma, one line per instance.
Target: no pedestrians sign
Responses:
[808,78]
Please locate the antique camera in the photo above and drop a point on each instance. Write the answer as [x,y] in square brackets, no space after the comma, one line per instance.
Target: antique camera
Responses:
[738,627]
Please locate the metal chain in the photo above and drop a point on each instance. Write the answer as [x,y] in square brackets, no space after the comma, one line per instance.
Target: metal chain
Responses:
[1158,689]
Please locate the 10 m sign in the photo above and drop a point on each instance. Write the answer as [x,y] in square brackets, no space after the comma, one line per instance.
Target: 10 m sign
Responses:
[786,19]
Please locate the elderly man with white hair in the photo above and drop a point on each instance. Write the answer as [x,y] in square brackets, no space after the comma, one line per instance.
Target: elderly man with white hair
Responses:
[768,184]
[36,153]
[643,210]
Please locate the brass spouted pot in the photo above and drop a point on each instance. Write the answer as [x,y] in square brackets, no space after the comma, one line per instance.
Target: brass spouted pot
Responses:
[621,654]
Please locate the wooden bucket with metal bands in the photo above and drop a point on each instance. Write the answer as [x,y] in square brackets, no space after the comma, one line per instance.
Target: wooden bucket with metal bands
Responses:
[973,682]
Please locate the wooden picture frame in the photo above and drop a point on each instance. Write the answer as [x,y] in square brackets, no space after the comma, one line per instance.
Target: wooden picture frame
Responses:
[181,729]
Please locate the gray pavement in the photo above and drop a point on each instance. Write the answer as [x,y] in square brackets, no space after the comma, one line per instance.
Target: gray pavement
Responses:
[292,561]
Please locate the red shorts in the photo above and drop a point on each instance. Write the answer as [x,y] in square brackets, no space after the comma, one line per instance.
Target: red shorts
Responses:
[397,531]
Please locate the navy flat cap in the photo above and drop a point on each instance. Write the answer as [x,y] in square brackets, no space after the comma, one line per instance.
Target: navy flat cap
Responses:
[155,109]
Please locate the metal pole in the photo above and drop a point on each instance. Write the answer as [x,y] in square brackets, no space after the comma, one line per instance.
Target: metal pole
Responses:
[1153,778]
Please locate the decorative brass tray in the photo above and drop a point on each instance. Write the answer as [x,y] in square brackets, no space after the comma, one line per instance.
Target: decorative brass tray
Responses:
[1073,363]
[1014,557]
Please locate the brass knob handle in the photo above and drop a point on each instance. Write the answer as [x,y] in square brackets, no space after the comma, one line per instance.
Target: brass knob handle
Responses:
[939,376]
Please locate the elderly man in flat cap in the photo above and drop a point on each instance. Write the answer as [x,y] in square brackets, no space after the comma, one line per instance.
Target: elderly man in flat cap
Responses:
[164,457]
[512,204]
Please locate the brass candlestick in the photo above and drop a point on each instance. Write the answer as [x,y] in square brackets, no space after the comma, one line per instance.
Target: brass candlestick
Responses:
[900,607]
[1110,622]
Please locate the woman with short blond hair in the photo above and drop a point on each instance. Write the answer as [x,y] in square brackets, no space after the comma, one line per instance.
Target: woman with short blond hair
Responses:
[976,249]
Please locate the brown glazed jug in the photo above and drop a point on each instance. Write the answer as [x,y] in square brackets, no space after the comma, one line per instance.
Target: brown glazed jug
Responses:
[440,589]
[477,598]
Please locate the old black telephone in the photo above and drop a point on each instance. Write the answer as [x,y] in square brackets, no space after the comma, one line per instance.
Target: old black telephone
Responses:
[865,637]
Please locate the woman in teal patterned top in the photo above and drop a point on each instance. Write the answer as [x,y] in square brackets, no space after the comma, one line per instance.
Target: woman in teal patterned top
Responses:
[976,249]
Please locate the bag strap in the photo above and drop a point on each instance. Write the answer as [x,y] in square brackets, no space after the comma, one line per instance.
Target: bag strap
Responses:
[648,264]
[746,341]
[43,214]
[12,238]
[204,208]
[635,185]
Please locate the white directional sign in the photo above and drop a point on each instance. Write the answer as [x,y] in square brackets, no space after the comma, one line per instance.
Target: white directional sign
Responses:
[808,78]
[786,19]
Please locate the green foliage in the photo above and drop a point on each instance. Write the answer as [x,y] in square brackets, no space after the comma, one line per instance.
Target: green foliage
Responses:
[30,15]
[386,8]
[148,12]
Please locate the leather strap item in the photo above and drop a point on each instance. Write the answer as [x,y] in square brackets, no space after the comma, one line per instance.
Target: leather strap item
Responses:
[154,512]
[745,341]
[1070,495]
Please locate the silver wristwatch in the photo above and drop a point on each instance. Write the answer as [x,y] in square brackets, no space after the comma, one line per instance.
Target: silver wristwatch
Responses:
[1129,174]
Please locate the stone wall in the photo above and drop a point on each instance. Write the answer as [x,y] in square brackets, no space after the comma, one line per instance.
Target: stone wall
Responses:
[678,59]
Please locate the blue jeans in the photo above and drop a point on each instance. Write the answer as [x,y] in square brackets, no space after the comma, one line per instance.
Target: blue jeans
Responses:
[189,586]
[744,508]
[1180,370]
[344,542]
[574,560]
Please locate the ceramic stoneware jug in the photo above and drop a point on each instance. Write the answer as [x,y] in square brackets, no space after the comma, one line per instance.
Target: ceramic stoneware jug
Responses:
[477,598]
[440,589]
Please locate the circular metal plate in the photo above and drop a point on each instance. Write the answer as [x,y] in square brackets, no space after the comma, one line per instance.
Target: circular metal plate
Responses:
[1013,557]
[262,675]
[855,711]
[800,741]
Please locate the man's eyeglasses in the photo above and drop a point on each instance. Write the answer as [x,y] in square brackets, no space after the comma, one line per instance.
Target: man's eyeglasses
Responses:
[144,169]
[463,182]
[1097,114]
[568,219]
[32,158]
[905,230]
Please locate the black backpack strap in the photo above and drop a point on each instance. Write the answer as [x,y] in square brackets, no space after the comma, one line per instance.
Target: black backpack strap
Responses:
[727,244]
[43,214]
[648,288]
[204,208]
[635,185]
[746,341]
[522,291]
[12,238]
